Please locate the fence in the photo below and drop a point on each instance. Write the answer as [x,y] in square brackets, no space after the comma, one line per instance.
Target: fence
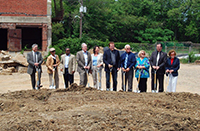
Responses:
[181,47]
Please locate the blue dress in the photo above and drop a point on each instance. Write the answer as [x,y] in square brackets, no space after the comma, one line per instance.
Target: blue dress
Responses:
[145,72]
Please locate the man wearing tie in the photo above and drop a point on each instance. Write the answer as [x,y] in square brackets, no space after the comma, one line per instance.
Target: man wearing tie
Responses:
[68,68]
[34,58]
[127,63]
[157,62]
[84,61]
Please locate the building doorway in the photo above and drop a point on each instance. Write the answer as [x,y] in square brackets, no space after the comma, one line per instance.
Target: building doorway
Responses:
[31,35]
[3,39]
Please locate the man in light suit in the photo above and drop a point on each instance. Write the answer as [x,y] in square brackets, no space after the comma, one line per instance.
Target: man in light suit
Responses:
[68,68]
[34,58]
[157,62]
[83,58]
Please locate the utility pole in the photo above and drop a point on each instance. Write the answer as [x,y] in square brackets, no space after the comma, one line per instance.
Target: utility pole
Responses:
[81,15]
[81,10]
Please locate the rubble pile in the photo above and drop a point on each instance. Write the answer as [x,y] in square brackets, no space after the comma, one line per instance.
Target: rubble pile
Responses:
[197,62]
[9,64]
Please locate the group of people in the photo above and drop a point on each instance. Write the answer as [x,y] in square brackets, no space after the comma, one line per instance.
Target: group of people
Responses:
[94,64]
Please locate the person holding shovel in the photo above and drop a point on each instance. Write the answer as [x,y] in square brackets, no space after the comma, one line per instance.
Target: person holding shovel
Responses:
[68,67]
[84,61]
[97,65]
[157,61]
[34,58]
[52,64]
[127,61]
[172,67]
[111,58]
[142,70]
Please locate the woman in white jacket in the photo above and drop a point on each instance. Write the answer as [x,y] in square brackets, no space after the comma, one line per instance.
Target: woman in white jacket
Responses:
[97,65]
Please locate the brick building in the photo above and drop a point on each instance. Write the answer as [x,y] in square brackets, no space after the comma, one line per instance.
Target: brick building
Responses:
[24,22]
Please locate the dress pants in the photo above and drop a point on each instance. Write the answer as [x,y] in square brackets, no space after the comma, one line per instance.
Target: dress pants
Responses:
[129,78]
[143,84]
[95,72]
[172,83]
[83,78]
[33,81]
[114,79]
[55,79]
[68,78]
[160,79]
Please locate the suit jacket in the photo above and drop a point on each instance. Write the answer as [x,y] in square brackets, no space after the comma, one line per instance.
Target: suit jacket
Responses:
[50,63]
[30,60]
[81,61]
[161,62]
[99,60]
[71,64]
[174,66]
[130,62]
[108,60]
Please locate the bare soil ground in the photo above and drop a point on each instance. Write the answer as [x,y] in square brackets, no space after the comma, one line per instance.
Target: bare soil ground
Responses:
[80,108]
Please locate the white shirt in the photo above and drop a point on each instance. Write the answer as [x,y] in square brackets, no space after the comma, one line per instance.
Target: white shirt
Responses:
[86,57]
[35,55]
[67,61]
[158,57]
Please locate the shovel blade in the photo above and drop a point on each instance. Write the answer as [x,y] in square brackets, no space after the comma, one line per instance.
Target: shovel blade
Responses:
[136,91]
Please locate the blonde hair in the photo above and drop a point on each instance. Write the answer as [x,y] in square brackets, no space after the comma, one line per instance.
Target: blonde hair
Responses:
[140,52]
[171,51]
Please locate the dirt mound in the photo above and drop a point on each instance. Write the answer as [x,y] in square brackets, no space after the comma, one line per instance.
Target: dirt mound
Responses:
[81,108]
[75,87]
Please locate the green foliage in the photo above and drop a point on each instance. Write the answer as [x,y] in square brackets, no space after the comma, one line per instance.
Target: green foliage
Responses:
[191,58]
[75,44]
[132,21]
[57,31]
[25,48]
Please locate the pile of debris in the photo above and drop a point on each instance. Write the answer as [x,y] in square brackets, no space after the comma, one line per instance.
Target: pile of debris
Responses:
[197,62]
[9,64]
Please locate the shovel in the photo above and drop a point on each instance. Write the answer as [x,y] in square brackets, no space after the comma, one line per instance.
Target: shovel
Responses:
[37,79]
[53,81]
[111,88]
[137,89]
[87,77]
[155,86]
[166,79]
[98,79]
[62,73]
[123,78]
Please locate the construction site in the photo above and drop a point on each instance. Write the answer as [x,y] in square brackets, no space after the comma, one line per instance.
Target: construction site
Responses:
[23,23]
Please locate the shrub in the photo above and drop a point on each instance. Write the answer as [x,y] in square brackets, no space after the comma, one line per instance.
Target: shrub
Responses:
[191,58]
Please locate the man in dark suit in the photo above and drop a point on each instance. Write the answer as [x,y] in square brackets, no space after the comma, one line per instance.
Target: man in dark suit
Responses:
[157,61]
[128,61]
[111,58]
[84,61]
[34,58]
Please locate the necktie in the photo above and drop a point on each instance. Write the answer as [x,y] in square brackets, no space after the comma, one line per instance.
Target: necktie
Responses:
[158,57]
[36,60]
[125,63]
